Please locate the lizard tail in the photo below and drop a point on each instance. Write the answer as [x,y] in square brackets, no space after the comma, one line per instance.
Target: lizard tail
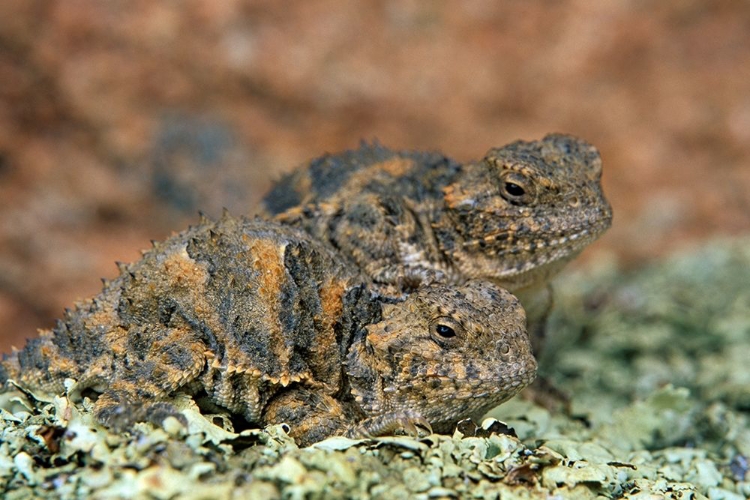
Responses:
[38,366]
[9,368]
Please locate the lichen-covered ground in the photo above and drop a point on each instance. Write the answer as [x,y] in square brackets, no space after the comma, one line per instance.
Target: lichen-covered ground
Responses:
[657,364]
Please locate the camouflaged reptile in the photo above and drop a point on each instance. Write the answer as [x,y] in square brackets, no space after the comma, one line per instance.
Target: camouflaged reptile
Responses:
[515,217]
[265,322]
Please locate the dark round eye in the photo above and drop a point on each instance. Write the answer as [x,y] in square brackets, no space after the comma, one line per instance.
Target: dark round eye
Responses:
[514,189]
[445,331]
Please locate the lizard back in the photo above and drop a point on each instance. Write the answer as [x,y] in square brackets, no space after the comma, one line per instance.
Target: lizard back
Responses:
[235,308]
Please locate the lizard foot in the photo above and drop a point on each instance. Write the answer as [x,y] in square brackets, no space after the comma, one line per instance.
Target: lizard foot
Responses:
[409,423]
[120,416]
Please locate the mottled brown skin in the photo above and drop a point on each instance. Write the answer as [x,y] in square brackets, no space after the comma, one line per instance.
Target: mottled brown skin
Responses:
[265,322]
[516,217]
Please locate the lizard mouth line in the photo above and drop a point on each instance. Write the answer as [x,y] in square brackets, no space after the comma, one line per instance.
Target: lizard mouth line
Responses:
[492,385]
[580,237]
[553,255]
[541,257]
[532,242]
[541,246]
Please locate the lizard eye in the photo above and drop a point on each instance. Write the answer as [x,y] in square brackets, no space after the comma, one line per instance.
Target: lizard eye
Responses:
[446,331]
[516,188]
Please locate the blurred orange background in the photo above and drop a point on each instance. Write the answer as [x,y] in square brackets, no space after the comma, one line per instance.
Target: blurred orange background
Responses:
[120,120]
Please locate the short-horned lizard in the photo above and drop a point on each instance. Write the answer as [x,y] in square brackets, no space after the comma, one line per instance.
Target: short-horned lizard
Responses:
[516,217]
[265,322]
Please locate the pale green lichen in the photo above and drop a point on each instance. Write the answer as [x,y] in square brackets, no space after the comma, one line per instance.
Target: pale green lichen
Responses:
[656,363]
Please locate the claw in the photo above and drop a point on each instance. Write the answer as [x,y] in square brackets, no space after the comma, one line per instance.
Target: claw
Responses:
[419,427]
[410,423]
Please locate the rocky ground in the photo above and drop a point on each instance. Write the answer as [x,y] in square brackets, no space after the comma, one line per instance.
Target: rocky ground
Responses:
[655,363]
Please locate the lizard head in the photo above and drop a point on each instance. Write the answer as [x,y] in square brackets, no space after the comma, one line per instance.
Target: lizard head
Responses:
[525,210]
[445,353]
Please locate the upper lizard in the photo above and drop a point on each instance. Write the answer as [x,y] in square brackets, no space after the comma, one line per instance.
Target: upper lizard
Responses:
[515,217]
[266,322]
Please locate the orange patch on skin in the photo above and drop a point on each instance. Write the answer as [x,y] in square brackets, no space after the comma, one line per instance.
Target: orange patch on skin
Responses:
[268,261]
[290,215]
[331,294]
[331,301]
[65,365]
[454,196]
[117,341]
[182,270]
[395,166]
[103,317]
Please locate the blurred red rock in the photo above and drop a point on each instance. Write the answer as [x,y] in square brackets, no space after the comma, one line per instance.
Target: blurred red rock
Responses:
[120,120]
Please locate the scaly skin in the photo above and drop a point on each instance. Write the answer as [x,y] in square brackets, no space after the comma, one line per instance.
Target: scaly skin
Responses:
[265,322]
[516,217]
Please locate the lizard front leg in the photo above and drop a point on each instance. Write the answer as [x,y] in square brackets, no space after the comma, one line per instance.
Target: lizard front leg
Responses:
[311,415]
[126,403]
[538,304]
